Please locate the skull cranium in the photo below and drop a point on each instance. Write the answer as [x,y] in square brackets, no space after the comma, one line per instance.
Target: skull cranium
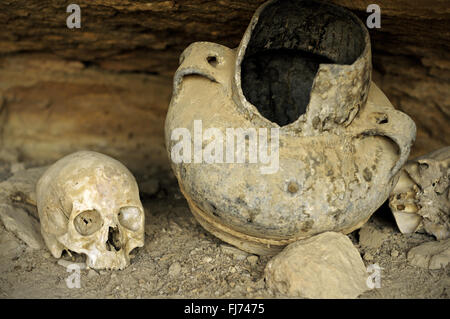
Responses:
[421,198]
[89,203]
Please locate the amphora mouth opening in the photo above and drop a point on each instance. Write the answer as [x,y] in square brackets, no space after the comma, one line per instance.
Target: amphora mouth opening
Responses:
[288,41]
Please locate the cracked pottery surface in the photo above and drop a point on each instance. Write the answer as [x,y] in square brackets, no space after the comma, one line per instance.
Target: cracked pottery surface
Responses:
[339,152]
[89,203]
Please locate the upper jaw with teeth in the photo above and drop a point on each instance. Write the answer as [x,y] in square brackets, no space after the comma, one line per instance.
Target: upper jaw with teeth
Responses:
[421,198]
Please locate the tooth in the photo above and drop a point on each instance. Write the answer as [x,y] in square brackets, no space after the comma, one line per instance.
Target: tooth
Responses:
[407,222]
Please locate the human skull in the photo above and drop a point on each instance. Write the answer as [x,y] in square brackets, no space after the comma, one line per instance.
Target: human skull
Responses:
[89,203]
[421,198]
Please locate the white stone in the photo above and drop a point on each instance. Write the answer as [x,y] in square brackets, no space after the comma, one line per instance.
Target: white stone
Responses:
[323,266]
[253,260]
[92,274]
[10,247]
[26,228]
[235,252]
[394,253]
[174,269]
[431,255]
[17,167]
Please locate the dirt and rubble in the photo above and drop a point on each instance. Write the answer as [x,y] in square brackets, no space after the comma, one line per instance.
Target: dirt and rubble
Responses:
[181,260]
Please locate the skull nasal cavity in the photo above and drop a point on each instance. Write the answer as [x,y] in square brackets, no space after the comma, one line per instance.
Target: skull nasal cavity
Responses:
[113,239]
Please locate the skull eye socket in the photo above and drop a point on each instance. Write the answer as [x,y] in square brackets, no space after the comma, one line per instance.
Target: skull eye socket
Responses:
[130,217]
[88,222]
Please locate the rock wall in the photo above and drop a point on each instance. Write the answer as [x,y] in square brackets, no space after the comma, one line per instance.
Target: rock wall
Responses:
[107,86]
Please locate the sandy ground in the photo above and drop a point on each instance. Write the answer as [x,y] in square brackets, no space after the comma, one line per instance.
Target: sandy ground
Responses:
[180,259]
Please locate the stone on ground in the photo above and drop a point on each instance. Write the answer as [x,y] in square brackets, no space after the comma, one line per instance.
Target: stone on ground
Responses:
[174,269]
[323,266]
[371,237]
[431,255]
[10,246]
[18,213]
[26,228]
[235,252]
